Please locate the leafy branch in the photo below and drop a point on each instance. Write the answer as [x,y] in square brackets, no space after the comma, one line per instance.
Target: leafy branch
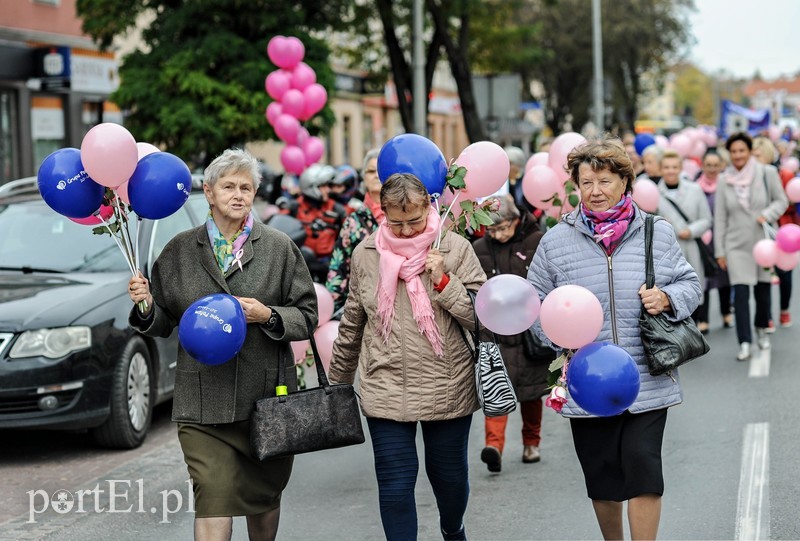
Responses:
[572,198]
[473,215]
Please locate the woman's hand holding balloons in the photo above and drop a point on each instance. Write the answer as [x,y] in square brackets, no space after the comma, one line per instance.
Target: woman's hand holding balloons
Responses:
[254,310]
[139,290]
[434,265]
[654,300]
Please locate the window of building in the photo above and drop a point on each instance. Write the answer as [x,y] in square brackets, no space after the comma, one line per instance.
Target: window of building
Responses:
[47,126]
[8,107]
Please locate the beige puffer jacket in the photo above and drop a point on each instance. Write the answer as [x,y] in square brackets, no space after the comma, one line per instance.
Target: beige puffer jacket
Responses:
[402,379]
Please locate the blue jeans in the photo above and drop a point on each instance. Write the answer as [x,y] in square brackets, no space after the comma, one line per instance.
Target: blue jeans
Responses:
[397,465]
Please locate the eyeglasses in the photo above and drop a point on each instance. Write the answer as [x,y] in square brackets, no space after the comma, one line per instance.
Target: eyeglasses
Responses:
[500,228]
[399,226]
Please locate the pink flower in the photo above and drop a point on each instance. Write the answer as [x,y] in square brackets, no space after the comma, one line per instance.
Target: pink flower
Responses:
[557,398]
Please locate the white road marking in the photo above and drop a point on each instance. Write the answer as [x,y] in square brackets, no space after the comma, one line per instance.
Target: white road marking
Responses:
[752,514]
[759,364]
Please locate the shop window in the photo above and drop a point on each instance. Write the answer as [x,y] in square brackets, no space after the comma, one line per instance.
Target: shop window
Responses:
[8,136]
[47,127]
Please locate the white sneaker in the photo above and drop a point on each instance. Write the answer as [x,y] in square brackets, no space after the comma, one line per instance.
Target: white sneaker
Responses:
[744,352]
[763,339]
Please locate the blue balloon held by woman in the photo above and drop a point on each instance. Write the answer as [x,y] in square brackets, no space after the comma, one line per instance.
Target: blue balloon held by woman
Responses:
[412,153]
[603,379]
[160,185]
[66,187]
[213,328]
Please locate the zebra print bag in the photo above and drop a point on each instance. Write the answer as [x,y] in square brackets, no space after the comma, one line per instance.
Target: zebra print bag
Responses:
[495,393]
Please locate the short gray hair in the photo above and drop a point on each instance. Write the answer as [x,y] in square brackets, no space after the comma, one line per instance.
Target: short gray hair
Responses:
[507,210]
[370,155]
[655,150]
[516,156]
[232,161]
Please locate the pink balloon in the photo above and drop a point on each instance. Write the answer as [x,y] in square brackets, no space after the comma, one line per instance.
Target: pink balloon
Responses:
[324,304]
[274,110]
[560,149]
[277,83]
[143,149]
[709,137]
[661,141]
[507,304]
[444,203]
[296,50]
[765,252]
[539,184]
[316,96]
[282,52]
[786,261]
[792,164]
[707,237]
[645,194]
[109,154]
[313,149]
[293,103]
[691,168]
[122,192]
[106,211]
[286,128]
[571,316]
[793,190]
[325,335]
[774,133]
[293,159]
[302,137]
[303,76]
[487,169]
[682,144]
[698,149]
[300,350]
[788,238]
[540,158]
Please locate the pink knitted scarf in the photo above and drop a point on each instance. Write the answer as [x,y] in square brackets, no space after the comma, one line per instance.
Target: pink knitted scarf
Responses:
[740,180]
[708,185]
[404,259]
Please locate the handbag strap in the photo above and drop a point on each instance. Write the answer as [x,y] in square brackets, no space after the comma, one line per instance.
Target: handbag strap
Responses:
[700,244]
[477,333]
[650,278]
[321,376]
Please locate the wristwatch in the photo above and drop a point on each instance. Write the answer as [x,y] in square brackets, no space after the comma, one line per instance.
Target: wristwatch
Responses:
[273,319]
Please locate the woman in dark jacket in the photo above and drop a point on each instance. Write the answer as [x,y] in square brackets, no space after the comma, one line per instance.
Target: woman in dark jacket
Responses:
[508,248]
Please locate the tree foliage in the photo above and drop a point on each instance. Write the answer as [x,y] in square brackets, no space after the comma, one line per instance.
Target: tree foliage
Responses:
[694,93]
[197,85]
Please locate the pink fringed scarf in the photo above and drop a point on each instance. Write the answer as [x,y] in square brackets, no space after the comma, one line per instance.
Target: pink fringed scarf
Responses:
[741,180]
[608,226]
[404,259]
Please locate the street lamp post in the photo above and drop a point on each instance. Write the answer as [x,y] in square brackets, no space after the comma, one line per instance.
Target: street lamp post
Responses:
[597,45]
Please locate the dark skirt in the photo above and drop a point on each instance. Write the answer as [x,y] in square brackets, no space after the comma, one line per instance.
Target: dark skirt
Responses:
[621,455]
[228,481]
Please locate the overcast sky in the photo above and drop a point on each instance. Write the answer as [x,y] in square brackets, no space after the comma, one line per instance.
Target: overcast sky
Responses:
[741,36]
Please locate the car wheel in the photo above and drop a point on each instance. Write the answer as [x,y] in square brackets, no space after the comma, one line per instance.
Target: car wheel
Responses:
[131,400]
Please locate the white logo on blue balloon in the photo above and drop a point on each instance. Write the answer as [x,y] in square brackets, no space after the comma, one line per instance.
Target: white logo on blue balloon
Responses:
[180,186]
[227,328]
[62,185]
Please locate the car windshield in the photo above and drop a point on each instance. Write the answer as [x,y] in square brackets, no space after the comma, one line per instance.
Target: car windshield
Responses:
[34,236]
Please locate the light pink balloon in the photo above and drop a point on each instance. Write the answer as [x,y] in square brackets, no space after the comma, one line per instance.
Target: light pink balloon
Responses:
[690,168]
[645,194]
[560,149]
[692,133]
[325,335]
[282,52]
[571,316]
[274,110]
[661,141]
[286,128]
[293,159]
[539,184]
[793,190]
[707,237]
[277,83]
[293,103]
[303,76]
[324,304]
[106,211]
[313,149]
[682,144]
[122,192]
[487,169]
[143,149]
[788,238]
[316,96]
[786,261]
[444,203]
[507,304]
[765,252]
[300,350]
[774,133]
[540,158]
[792,164]
[709,137]
[296,50]
[109,154]
[698,149]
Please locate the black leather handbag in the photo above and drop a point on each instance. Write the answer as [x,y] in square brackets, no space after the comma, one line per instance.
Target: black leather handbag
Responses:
[323,417]
[667,344]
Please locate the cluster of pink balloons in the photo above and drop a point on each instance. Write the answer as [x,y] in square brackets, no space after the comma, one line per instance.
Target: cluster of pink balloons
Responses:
[546,174]
[783,252]
[326,332]
[298,97]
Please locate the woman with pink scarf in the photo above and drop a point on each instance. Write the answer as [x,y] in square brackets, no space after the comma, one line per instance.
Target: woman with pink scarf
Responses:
[400,329]
[749,195]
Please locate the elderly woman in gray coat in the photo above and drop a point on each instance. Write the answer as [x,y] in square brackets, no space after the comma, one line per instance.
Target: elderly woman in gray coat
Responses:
[260,266]
[750,196]
[600,246]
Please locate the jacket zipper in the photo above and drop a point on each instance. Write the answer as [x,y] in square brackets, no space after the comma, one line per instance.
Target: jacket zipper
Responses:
[612,304]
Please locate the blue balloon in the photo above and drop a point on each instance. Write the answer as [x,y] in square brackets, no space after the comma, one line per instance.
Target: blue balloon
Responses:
[160,185]
[642,141]
[66,187]
[603,379]
[412,153]
[213,328]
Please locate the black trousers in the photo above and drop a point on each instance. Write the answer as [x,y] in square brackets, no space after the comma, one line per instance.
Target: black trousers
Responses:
[701,314]
[741,301]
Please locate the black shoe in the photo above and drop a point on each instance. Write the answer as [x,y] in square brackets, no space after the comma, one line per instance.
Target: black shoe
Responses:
[491,456]
[460,535]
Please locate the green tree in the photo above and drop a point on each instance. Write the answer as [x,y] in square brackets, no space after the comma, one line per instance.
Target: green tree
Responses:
[197,84]
[694,93]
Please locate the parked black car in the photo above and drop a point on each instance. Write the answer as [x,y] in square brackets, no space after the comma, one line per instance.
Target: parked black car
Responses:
[68,359]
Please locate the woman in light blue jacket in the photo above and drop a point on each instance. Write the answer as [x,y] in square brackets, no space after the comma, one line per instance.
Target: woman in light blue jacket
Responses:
[600,246]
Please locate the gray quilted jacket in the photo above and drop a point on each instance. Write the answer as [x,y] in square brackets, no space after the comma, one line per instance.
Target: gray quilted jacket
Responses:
[568,254]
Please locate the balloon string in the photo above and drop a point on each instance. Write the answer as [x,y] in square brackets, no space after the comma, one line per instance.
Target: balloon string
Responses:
[138,234]
[125,234]
[119,244]
[441,224]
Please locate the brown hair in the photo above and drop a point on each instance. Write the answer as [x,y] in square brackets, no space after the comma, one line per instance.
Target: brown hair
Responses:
[606,153]
[739,136]
[670,153]
[403,190]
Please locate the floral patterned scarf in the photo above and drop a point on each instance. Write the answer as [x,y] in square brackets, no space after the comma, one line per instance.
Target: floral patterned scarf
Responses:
[608,226]
[224,250]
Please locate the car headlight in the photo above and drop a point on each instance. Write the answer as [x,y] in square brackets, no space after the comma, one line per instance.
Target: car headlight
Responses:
[51,343]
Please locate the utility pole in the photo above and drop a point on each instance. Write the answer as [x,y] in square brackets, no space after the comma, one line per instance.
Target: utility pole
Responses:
[420,99]
[597,45]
